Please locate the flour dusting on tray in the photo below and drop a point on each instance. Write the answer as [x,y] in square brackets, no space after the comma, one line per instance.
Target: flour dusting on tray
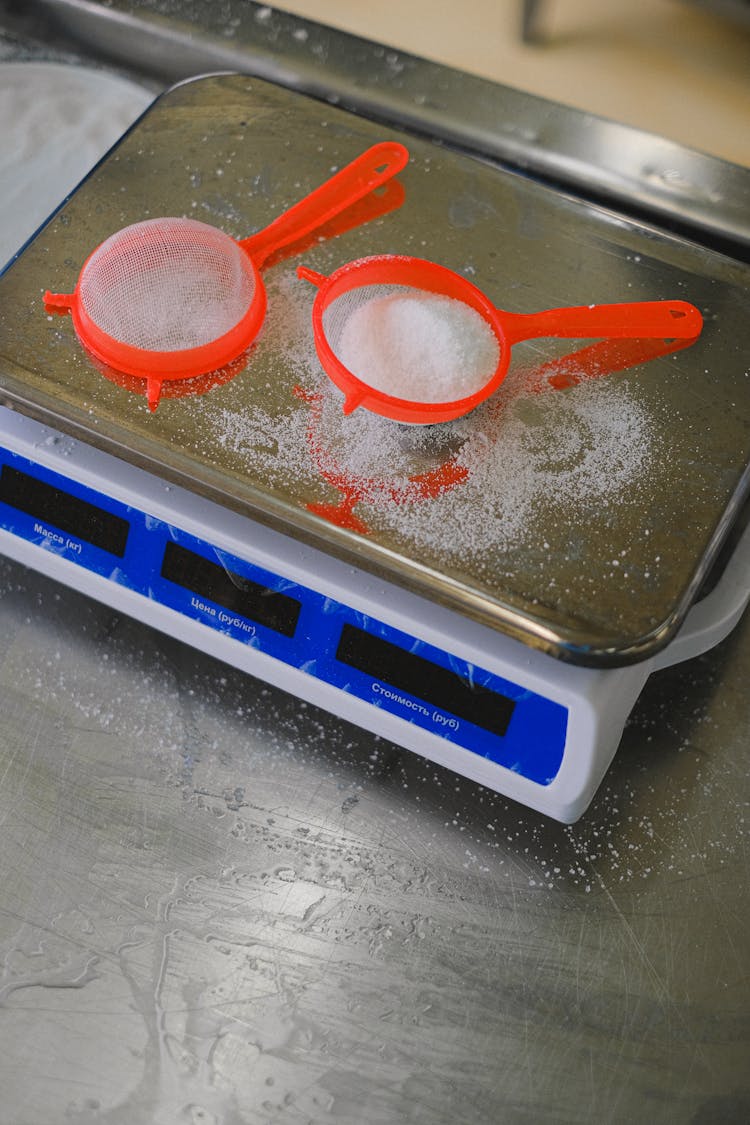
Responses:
[485,481]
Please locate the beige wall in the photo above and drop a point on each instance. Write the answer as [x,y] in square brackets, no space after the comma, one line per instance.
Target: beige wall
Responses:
[668,66]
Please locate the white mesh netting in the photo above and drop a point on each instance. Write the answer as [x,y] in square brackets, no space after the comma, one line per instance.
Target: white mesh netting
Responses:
[167,285]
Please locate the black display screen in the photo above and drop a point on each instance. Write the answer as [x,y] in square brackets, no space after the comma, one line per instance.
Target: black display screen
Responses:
[430,682]
[64,512]
[234,592]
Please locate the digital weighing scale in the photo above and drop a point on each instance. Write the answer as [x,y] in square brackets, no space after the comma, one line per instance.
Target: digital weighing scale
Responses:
[249,519]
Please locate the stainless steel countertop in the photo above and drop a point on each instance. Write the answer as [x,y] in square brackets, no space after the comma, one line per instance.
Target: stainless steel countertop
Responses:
[220,905]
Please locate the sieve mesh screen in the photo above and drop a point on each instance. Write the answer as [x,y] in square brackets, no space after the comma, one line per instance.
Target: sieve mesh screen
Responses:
[167,285]
[338,313]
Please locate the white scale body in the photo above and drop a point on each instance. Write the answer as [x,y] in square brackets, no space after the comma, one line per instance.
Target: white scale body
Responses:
[509,717]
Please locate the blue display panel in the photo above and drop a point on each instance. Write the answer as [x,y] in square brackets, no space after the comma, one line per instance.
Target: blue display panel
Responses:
[354,652]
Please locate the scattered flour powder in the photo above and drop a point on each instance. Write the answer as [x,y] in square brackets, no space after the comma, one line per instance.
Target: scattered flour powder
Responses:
[520,451]
[412,344]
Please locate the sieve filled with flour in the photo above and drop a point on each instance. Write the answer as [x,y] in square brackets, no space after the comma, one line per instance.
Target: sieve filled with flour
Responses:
[174,298]
[416,342]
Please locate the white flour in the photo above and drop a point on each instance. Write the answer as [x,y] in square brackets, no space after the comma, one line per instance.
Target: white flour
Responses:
[415,345]
[56,122]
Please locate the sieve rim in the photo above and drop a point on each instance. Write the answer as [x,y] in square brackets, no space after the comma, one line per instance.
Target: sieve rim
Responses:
[416,273]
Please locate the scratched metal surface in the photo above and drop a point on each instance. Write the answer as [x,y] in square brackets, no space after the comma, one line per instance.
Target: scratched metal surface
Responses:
[219,906]
[557,515]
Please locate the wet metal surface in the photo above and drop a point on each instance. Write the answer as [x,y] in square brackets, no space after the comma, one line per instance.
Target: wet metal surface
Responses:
[217,905]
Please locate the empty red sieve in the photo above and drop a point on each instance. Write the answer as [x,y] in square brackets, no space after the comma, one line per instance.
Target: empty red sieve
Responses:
[173,298]
[449,321]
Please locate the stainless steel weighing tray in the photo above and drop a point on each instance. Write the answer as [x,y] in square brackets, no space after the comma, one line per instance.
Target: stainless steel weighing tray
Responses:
[581,520]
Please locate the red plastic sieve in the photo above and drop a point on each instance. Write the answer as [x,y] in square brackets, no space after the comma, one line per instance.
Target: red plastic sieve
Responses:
[173,298]
[445,301]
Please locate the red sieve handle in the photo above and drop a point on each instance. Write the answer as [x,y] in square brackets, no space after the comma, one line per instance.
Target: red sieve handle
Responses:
[663,320]
[368,171]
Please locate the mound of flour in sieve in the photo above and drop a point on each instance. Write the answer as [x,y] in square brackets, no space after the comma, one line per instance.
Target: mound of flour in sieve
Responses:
[417,346]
